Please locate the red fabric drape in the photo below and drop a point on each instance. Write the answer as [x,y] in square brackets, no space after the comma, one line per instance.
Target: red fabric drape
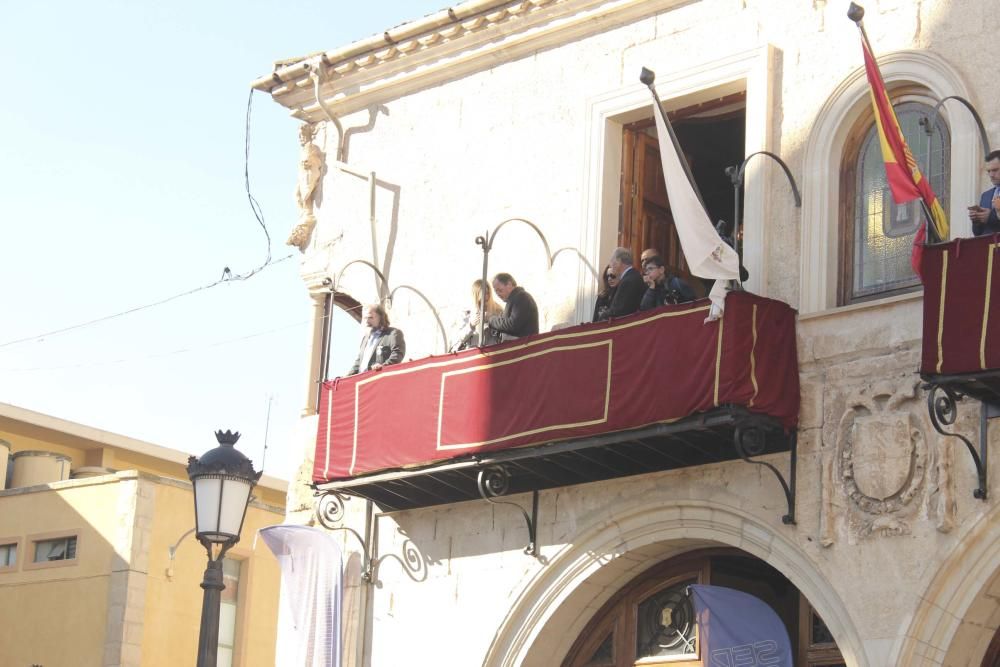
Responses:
[650,368]
[962,307]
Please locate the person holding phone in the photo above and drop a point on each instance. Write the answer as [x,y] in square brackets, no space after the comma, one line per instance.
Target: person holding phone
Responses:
[986,217]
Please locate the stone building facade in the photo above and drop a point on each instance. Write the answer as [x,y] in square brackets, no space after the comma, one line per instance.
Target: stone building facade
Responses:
[437,131]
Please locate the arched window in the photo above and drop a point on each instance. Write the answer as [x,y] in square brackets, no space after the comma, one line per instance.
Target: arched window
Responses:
[876,234]
[651,622]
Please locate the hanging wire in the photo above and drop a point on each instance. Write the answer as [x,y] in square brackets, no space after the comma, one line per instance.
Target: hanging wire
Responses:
[267,427]
[227,276]
[254,206]
[158,355]
[227,273]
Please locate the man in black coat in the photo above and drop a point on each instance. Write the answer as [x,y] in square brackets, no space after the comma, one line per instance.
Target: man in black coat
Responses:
[520,314]
[631,287]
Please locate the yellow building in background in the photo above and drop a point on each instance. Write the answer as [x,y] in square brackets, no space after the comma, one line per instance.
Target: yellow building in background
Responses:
[97,564]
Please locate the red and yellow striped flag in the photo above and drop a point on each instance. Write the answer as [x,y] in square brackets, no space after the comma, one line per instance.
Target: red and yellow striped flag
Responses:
[901,170]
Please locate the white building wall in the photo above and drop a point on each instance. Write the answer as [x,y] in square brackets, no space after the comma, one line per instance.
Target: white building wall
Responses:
[516,138]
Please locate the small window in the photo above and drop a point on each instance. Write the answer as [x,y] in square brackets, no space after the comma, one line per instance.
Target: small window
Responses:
[63,548]
[8,556]
[229,611]
[665,626]
[877,234]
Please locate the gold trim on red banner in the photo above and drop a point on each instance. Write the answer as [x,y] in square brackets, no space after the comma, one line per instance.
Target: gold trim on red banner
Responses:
[486,354]
[753,359]
[986,304]
[944,289]
[329,413]
[718,363]
[469,445]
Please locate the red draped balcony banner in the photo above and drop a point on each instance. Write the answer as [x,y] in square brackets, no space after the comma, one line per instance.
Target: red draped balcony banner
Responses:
[961,320]
[654,367]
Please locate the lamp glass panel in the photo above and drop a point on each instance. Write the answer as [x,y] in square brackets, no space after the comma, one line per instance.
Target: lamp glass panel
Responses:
[207,495]
[235,495]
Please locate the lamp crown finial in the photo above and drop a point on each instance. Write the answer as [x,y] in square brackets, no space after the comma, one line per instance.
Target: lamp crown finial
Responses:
[227,437]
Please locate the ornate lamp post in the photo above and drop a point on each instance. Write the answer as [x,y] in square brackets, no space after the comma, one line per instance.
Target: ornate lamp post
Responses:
[223,479]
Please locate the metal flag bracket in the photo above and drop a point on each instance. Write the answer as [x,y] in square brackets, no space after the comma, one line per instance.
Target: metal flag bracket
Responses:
[494,481]
[330,512]
[752,441]
[942,405]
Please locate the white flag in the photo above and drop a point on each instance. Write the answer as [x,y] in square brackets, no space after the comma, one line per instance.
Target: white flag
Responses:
[707,255]
[310,597]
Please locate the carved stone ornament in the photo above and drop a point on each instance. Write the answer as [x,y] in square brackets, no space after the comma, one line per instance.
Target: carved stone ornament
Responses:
[882,452]
[311,163]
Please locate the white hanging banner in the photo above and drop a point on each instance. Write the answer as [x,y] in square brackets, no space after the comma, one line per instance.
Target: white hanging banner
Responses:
[311,589]
[707,255]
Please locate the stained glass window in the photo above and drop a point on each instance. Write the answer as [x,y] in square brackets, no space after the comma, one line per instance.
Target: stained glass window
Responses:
[665,624]
[881,239]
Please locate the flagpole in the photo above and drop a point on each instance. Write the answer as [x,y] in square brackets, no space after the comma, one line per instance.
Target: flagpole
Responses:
[648,76]
[857,14]
[932,235]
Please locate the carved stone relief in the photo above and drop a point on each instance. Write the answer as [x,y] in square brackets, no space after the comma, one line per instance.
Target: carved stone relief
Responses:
[882,459]
[311,163]
[941,504]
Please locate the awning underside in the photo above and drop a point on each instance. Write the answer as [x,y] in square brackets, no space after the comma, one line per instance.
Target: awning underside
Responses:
[722,434]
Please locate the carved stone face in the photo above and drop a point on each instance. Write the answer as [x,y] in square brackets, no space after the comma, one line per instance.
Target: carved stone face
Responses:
[305,134]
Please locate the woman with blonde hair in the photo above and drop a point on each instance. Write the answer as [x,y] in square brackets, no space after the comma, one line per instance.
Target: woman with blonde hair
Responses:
[471,335]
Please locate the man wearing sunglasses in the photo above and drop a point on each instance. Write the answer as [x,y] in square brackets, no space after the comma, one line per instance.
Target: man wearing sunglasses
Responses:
[630,287]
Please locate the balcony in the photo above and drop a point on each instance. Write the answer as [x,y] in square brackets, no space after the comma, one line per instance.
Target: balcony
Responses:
[654,391]
[961,338]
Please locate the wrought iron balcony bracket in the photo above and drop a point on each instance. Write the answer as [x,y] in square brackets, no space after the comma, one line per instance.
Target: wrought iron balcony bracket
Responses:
[494,481]
[942,405]
[751,441]
[330,512]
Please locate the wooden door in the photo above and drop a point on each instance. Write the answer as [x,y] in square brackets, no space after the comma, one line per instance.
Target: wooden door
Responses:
[647,221]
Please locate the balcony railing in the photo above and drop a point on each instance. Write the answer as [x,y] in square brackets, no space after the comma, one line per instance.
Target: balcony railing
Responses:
[654,391]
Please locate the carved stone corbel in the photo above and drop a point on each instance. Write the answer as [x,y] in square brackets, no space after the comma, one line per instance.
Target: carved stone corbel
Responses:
[311,165]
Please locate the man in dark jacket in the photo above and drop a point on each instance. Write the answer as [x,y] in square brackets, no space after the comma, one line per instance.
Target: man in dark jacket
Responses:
[664,287]
[381,346]
[520,314]
[630,286]
[984,217]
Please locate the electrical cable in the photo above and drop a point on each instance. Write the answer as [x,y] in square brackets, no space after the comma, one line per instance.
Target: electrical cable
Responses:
[158,355]
[227,274]
[254,206]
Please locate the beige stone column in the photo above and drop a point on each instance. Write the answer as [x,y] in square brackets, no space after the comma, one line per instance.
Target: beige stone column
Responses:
[314,372]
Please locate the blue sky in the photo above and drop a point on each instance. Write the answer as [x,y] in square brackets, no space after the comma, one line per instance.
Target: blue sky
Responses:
[121,184]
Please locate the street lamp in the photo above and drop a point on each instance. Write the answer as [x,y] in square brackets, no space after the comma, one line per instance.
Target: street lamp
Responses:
[223,479]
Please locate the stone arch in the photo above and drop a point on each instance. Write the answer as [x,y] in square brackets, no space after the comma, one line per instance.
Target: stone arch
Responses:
[959,610]
[821,162]
[555,605]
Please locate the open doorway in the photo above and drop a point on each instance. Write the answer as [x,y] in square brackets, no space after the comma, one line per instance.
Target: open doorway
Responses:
[712,135]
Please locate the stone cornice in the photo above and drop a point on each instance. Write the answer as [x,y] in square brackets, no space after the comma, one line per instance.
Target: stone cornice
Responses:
[444,46]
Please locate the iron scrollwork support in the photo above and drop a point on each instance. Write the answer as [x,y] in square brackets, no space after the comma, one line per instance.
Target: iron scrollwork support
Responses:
[752,441]
[494,481]
[943,410]
[330,512]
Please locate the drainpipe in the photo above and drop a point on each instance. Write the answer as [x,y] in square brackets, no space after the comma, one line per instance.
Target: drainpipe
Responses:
[314,74]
